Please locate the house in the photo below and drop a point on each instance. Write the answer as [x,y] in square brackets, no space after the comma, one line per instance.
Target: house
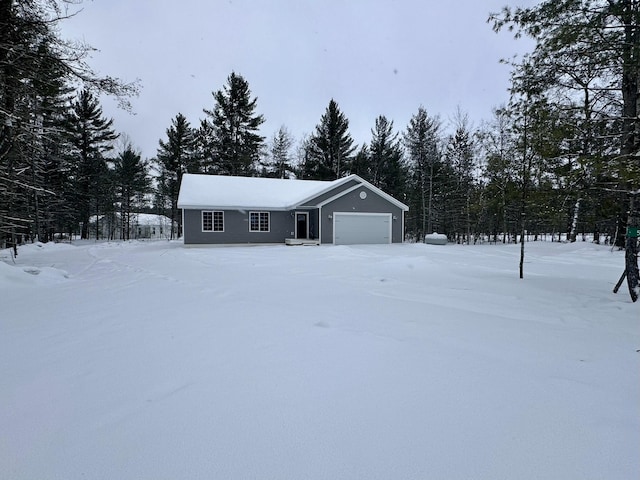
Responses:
[105,226]
[231,210]
[152,227]
[142,226]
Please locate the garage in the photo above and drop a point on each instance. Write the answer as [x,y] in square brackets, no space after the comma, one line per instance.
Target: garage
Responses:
[358,228]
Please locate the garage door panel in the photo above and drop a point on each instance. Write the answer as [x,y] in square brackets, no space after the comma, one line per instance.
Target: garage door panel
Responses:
[352,229]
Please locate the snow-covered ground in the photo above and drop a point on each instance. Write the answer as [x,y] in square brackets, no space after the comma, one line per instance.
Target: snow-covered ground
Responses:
[155,361]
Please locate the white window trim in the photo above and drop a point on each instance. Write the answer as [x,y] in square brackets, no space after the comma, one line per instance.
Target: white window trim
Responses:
[213,221]
[212,212]
[202,221]
[268,222]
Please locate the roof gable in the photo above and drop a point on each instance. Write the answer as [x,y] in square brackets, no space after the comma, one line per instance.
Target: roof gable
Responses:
[360,183]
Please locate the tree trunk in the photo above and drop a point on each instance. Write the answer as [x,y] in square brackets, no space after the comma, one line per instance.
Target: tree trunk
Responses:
[468,220]
[574,223]
[631,134]
[631,251]
[526,168]
[430,224]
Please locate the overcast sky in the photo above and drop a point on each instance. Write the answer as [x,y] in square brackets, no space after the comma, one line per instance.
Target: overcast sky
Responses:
[372,56]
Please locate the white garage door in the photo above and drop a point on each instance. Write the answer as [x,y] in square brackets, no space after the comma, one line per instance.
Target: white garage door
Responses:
[354,228]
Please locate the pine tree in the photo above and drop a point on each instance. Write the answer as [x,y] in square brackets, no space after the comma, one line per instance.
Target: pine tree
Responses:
[280,163]
[386,165]
[422,141]
[498,147]
[593,47]
[530,114]
[360,164]
[132,182]
[330,147]
[460,157]
[92,136]
[31,86]
[176,157]
[35,151]
[52,211]
[35,60]
[229,133]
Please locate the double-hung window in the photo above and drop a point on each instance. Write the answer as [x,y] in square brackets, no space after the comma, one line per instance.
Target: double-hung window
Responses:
[212,221]
[258,221]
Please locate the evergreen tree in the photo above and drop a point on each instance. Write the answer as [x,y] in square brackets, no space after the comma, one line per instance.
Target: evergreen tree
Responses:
[36,153]
[360,164]
[132,182]
[532,120]
[229,133]
[92,136]
[460,157]
[34,61]
[497,142]
[593,47]
[280,161]
[53,212]
[301,153]
[422,141]
[330,147]
[386,165]
[176,156]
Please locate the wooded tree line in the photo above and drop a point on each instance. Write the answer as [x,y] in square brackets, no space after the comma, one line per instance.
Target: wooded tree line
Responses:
[53,137]
[560,157]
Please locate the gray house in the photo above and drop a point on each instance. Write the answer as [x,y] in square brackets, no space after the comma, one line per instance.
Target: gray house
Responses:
[227,210]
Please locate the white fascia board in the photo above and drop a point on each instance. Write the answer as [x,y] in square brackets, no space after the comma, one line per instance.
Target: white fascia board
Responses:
[331,186]
[362,183]
[234,207]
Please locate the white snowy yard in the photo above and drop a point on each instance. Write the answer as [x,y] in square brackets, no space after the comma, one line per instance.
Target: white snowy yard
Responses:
[153,361]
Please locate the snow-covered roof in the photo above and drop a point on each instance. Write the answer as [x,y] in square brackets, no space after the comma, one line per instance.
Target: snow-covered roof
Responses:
[237,193]
[206,191]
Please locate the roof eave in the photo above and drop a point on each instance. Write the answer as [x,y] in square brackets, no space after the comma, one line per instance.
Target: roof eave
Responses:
[231,207]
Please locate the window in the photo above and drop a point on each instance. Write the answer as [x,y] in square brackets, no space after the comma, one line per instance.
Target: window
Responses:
[207,221]
[213,221]
[258,221]
[218,221]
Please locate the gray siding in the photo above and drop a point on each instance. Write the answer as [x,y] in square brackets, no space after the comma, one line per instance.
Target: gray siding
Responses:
[332,193]
[351,202]
[236,227]
[282,223]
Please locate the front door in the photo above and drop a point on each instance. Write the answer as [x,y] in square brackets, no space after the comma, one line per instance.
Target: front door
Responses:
[302,225]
